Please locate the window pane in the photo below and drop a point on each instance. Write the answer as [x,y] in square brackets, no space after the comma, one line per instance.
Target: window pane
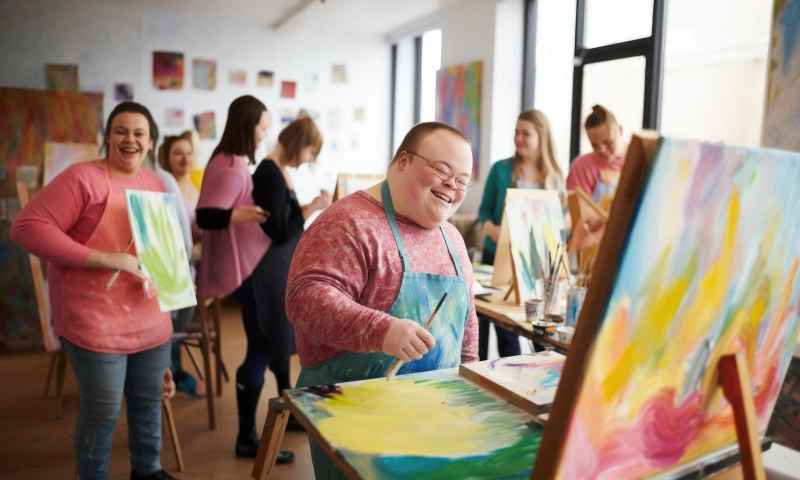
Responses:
[615,21]
[431,62]
[555,48]
[714,79]
[617,85]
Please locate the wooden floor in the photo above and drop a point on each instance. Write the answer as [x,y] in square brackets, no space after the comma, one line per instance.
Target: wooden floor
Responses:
[36,445]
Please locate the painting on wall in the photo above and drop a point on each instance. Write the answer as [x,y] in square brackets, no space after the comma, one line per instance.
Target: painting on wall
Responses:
[27,175]
[62,76]
[168,70]
[175,117]
[458,103]
[123,92]
[358,114]
[206,126]
[708,255]
[59,156]
[431,428]
[288,89]
[335,118]
[237,77]
[527,381]
[160,247]
[287,115]
[781,125]
[204,74]
[33,117]
[531,230]
[339,73]
[265,78]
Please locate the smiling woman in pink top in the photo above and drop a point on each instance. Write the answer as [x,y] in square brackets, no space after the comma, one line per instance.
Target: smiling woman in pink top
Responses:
[117,339]
[233,244]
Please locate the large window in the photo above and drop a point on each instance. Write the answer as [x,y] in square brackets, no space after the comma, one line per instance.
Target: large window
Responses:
[431,63]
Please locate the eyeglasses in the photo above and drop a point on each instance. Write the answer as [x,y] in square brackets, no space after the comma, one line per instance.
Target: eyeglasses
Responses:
[446,173]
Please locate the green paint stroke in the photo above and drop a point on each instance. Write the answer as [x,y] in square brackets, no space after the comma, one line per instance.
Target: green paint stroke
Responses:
[162,250]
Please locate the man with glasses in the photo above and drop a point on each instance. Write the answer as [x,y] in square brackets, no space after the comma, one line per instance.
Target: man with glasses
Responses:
[371,269]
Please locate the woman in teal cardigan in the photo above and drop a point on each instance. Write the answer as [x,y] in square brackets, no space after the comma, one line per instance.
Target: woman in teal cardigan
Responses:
[534,165]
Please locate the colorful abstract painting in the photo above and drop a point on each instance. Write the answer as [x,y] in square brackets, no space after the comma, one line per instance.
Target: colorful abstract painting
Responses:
[265,78]
[781,123]
[204,74]
[339,73]
[288,89]
[429,428]
[30,119]
[123,92]
[458,103]
[59,156]
[159,245]
[528,381]
[62,77]
[237,77]
[168,70]
[206,126]
[708,268]
[535,221]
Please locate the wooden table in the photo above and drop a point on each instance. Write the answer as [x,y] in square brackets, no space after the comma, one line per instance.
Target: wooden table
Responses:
[511,317]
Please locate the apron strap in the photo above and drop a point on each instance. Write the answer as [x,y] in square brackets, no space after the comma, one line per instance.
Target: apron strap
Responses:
[388,208]
[453,256]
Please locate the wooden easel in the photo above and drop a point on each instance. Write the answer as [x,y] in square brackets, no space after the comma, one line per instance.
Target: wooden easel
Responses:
[735,382]
[271,437]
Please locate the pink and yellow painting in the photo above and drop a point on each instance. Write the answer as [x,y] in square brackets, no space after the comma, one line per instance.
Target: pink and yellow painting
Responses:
[458,103]
[709,268]
[168,70]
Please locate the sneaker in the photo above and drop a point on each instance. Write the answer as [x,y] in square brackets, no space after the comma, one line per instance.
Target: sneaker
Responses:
[247,447]
[159,475]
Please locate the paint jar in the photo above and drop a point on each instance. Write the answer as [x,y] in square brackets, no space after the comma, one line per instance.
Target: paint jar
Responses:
[575,297]
[565,334]
[533,310]
[544,329]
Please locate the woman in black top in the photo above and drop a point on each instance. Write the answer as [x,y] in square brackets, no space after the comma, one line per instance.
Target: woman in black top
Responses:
[298,143]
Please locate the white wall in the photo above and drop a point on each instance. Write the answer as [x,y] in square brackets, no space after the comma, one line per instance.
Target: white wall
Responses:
[113,43]
[490,31]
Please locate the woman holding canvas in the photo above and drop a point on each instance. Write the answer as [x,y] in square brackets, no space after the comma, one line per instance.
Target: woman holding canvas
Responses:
[116,338]
[534,165]
[273,190]
[233,244]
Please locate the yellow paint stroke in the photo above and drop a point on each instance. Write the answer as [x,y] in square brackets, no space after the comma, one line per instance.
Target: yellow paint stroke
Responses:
[426,429]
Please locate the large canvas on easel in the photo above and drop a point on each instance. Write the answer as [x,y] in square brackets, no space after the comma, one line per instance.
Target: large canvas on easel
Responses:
[435,427]
[701,262]
[532,224]
[29,119]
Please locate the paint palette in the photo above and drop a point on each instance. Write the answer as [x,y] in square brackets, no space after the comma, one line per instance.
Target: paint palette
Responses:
[528,381]
[429,426]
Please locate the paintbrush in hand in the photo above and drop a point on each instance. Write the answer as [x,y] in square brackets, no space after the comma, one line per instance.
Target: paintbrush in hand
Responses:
[117,271]
[399,363]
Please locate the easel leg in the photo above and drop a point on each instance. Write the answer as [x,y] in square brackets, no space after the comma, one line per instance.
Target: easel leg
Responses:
[271,438]
[218,344]
[61,369]
[735,381]
[53,357]
[173,432]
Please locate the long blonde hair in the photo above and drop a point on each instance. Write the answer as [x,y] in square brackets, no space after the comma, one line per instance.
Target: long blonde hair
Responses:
[547,161]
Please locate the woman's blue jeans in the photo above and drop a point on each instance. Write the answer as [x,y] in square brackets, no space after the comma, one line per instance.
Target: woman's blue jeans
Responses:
[102,380]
